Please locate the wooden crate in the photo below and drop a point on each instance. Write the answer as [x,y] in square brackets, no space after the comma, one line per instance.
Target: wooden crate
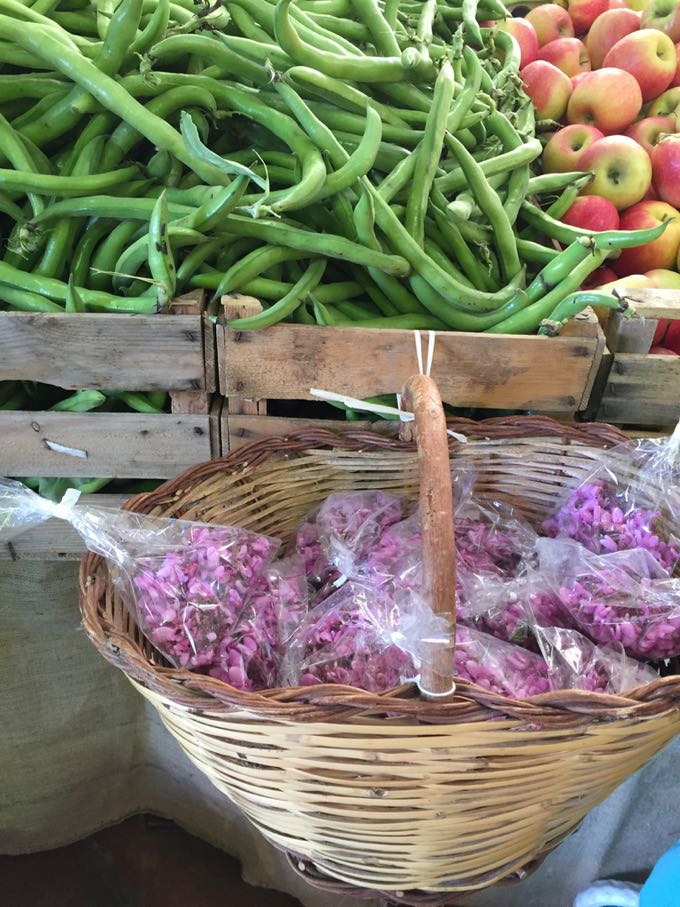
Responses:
[172,352]
[639,388]
[548,374]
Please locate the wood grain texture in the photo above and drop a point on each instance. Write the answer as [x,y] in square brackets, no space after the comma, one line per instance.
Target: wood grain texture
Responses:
[238,430]
[116,352]
[116,445]
[475,370]
[55,540]
[642,390]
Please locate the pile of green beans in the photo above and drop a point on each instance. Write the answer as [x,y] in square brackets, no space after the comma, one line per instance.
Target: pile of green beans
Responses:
[366,163]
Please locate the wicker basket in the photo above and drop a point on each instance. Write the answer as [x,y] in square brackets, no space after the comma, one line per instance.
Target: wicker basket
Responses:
[393,794]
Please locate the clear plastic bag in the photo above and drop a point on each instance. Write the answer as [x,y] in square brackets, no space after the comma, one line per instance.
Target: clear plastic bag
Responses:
[576,663]
[361,636]
[249,656]
[632,500]
[187,582]
[499,666]
[625,597]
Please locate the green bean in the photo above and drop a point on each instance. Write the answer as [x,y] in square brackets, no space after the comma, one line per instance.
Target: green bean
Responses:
[469,263]
[547,183]
[492,208]
[80,265]
[308,26]
[25,301]
[463,321]
[627,239]
[82,401]
[14,149]
[74,301]
[153,30]
[288,304]
[254,265]
[352,31]
[28,86]
[57,291]
[534,252]
[125,136]
[355,69]
[455,180]
[468,95]
[138,402]
[283,234]
[557,270]
[138,253]
[574,304]
[369,12]
[108,252]
[429,154]
[194,260]
[67,186]
[529,319]
[400,177]
[215,51]
[353,311]
[472,29]
[120,34]
[340,93]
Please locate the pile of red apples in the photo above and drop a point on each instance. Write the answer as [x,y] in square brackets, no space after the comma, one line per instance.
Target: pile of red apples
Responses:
[610,74]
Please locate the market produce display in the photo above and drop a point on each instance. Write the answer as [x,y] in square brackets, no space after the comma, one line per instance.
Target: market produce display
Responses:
[609,74]
[351,163]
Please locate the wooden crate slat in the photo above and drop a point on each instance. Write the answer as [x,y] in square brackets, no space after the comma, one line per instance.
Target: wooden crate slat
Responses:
[238,430]
[116,352]
[650,303]
[116,445]
[472,370]
[642,390]
[55,540]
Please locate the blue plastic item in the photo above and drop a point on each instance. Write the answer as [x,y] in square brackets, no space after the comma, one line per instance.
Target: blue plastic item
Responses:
[662,888]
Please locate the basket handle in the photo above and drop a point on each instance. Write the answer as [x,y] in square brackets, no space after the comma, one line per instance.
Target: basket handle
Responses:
[421,397]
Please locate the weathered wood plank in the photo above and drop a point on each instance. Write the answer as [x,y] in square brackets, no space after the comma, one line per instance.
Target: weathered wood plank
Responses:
[655,303]
[196,402]
[472,370]
[117,352]
[55,540]
[642,390]
[116,445]
[238,430]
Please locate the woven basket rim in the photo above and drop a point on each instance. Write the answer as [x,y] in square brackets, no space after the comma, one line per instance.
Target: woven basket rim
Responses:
[335,703]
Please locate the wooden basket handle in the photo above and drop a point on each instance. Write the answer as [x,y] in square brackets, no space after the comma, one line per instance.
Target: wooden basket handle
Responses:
[421,397]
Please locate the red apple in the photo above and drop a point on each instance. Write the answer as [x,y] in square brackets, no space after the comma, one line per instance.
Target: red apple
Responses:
[663,279]
[662,252]
[548,87]
[523,32]
[666,170]
[622,171]
[598,277]
[584,12]
[663,15]
[672,338]
[615,4]
[666,105]
[649,55]
[676,78]
[637,5]
[565,148]
[662,324]
[662,351]
[550,22]
[591,212]
[607,29]
[609,99]
[579,77]
[646,132]
[568,54]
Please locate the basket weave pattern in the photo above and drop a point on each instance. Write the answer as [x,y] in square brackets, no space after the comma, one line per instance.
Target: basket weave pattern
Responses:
[388,792]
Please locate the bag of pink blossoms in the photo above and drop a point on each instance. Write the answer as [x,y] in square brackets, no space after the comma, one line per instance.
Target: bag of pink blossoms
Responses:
[632,500]
[361,636]
[188,583]
[625,598]
[576,663]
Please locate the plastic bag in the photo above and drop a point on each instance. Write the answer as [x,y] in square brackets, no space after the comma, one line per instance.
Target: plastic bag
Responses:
[624,598]
[576,663]
[361,636]
[187,582]
[249,655]
[632,500]
[498,666]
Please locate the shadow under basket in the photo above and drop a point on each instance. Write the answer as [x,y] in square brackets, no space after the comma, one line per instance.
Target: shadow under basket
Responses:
[395,794]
